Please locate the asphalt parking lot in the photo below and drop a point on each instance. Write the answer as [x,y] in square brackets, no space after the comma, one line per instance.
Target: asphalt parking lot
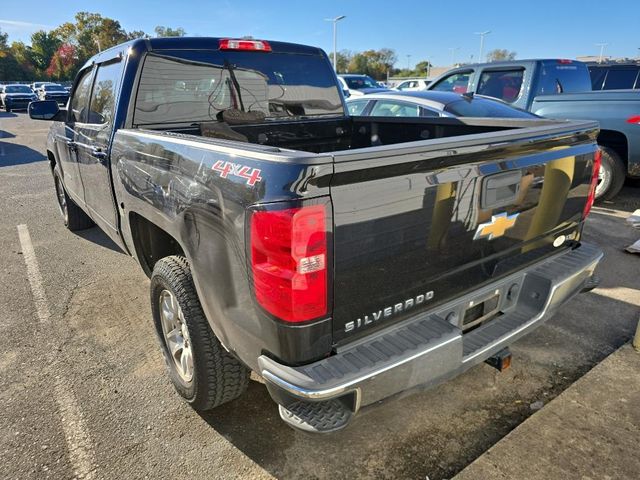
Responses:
[84,394]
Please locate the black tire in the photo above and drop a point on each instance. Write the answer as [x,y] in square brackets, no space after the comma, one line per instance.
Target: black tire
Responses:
[217,376]
[73,216]
[7,109]
[614,169]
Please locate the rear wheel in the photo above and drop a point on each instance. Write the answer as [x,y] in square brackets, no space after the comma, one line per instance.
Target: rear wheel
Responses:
[611,175]
[7,109]
[201,370]
[73,216]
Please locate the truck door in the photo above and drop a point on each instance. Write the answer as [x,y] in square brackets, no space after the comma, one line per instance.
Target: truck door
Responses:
[92,144]
[65,142]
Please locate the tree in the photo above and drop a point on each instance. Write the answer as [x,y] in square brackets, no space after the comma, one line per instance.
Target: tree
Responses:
[10,69]
[135,34]
[500,54]
[343,58]
[90,34]
[375,63]
[169,32]
[43,46]
[63,63]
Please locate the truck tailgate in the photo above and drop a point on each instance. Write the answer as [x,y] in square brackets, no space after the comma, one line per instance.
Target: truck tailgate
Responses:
[419,224]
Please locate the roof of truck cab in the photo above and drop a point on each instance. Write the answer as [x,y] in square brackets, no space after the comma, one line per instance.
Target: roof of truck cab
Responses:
[142,45]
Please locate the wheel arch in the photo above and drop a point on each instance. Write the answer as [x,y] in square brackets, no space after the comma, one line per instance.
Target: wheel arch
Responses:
[151,242]
[616,141]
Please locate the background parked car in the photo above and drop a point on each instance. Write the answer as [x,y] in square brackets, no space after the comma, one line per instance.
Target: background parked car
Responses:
[432,104]
[35,86]
[53,91]
[359,85]
[561,89]
[413,85]
[615,76]
[16,97]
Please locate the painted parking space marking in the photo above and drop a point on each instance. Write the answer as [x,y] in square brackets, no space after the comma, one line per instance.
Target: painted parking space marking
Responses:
[79,445]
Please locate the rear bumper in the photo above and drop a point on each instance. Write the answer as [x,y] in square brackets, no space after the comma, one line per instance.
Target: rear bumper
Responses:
[427,349]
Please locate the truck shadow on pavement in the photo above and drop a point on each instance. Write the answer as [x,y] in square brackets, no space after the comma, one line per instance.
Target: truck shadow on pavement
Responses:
[13,154]
[97,236]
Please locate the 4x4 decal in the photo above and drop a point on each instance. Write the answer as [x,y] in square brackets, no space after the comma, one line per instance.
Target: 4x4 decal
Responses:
[250,175]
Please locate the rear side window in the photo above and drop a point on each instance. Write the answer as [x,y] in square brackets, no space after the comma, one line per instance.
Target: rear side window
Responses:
[620,78]
[456,82]
[80,99]
[502,84]
[390,108]
[597,77]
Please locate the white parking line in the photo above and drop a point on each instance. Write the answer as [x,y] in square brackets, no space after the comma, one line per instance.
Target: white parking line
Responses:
[77,438]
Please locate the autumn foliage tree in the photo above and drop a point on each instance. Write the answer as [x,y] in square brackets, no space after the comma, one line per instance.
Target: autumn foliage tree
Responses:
[63,62]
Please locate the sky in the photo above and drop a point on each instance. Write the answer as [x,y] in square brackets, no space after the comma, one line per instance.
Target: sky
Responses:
[424,30]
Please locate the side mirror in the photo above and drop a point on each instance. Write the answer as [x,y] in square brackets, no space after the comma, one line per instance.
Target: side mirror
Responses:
[46,110]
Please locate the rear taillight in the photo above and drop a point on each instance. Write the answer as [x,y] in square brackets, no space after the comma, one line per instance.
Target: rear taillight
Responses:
[597,160]
[249,45]
[289,261]
[635,119]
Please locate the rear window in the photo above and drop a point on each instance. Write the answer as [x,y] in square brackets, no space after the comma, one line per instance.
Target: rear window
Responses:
[620,78]
[54,88]
[502,84]
[560,77]
[482,107]
[356,83]
[196,85]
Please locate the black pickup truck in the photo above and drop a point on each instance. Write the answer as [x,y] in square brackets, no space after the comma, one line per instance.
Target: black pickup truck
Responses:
[343,259]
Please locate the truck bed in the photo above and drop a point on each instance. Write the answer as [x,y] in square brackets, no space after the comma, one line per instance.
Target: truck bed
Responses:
[404,200]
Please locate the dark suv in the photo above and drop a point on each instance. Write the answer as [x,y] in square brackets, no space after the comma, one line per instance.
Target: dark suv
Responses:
[615,76]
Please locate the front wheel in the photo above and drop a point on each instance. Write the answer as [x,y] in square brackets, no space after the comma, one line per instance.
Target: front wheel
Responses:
[74,217]
[611,175]
[200,368]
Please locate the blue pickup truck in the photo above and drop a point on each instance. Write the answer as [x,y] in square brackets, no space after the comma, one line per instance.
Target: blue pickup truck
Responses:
[562,89]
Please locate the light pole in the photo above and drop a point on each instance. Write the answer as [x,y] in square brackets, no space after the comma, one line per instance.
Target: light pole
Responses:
[453,55]
[408,60]
[335,39]
[482,35]
[601,45]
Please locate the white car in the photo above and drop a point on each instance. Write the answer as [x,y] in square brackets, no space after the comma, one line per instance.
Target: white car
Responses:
[414,85]
[432,104]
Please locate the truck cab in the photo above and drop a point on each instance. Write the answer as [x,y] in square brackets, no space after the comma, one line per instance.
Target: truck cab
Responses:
[516,82]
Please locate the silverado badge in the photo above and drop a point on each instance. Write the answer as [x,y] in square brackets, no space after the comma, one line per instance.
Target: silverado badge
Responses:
[496,227]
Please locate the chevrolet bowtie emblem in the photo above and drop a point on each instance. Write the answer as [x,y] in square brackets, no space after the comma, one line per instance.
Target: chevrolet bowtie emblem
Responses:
[496,227]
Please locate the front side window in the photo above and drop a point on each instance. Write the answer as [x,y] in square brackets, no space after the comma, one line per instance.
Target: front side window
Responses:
[80,99]
[103,97]
[356,107]
[502,84]
[456,82]
[390,108]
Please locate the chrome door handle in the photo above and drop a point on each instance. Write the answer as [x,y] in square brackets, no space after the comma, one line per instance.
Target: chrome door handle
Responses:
[99,153]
